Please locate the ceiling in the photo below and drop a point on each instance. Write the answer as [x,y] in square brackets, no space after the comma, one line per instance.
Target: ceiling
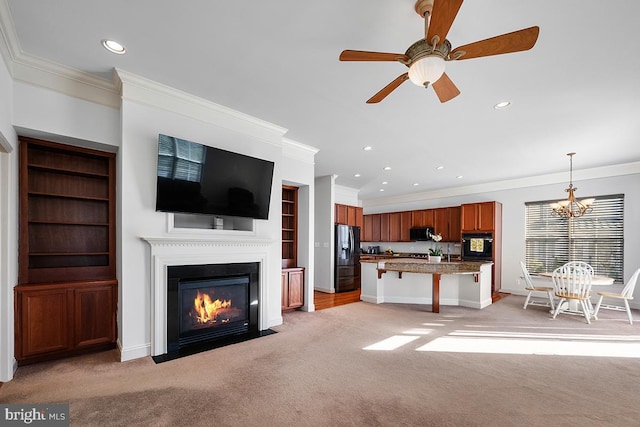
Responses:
[577,90]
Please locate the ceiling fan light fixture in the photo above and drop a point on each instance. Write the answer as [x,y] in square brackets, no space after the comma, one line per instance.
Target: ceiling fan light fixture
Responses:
[426,70]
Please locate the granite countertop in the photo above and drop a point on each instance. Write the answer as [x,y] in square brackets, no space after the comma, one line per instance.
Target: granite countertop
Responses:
[416,265]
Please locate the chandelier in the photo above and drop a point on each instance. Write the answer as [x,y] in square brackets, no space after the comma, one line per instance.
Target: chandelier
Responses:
[572,208]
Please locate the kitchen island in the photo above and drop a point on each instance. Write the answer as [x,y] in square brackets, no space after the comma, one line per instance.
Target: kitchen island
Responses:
[418,281]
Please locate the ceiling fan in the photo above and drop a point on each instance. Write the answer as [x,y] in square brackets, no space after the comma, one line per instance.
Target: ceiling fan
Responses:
[426,58]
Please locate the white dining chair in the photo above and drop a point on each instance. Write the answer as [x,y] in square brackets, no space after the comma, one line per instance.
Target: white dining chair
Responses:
[625,296]
[529,286]
[572,283]
[582,264]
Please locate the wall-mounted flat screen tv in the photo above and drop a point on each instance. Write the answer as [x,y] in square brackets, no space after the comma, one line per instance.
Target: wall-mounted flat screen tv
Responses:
[195,178]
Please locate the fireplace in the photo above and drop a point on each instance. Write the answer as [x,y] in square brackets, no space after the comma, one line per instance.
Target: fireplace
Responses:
[211,305]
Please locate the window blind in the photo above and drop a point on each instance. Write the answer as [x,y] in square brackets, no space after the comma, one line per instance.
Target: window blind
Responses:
[596,238]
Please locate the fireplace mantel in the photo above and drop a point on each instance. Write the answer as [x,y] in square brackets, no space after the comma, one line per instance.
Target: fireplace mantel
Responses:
[191,250]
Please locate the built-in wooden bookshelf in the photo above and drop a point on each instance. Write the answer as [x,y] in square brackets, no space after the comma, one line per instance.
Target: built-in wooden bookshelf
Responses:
[289,226]
[66,296]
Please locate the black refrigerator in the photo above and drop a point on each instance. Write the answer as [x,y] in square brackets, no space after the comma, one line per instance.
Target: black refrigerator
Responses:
[347,258]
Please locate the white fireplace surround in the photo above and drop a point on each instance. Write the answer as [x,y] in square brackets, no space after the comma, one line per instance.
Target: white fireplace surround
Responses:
[175,251]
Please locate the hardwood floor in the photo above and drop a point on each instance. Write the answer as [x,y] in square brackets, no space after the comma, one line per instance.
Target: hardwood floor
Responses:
[324,300]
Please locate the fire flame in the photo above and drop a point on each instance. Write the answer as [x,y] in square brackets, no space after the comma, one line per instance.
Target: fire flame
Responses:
[206,309]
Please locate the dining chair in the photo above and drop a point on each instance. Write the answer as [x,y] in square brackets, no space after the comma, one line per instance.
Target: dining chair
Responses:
[582,264]
[533,288]
[572,283]
[625,296]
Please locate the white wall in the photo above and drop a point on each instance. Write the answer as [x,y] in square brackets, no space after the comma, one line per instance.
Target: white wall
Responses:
[145,114]
[132,133]
[513,216]
[298,170]
[324,233]
[8,223]
[346,195]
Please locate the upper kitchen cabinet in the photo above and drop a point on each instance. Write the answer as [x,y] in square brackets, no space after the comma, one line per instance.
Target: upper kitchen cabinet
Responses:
[423,218]
[349,215]
[447,223]
[480,216]
[371,228]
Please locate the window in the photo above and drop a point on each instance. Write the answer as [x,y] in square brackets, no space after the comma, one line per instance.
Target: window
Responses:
[596,238]
[180,159]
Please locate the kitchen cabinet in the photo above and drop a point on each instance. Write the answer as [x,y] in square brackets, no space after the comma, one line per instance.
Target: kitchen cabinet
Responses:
[479,216]
[447,223]
[63,319]
[384,227]
[371,227]
[348,215]
[395,227]
[405,225]
[486,217]
[292,288]
[423,218]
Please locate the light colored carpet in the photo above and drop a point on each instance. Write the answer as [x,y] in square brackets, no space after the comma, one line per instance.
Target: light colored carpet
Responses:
[316,372]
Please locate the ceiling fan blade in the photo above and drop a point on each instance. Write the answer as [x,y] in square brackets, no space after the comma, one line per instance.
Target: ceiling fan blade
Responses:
[445,89]
[361,55]
[511,42]
[388,89]
[442,16]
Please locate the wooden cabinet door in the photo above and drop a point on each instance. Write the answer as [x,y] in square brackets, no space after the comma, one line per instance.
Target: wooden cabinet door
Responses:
[292,288]
[341,214]
[485,216]
[395,227]
[441,223]
[44,321]
[95,315]
[367,229]
[359,218]
[405,226]
[454,224]
[468,216]
[296,288]
[285,289]
[375,228]
[384,227]
[423,218]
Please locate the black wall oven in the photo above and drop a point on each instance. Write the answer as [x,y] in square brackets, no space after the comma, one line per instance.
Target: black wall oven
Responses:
[477,246]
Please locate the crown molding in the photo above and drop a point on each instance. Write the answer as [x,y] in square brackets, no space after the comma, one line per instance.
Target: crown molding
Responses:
[148,92]
[510,184]
[50,75]
[299,151]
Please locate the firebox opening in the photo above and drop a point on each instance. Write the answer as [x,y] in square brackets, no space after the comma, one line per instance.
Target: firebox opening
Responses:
[210,306]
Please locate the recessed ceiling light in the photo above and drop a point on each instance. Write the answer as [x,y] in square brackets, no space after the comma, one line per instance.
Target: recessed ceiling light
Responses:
[387,168]
[459,176]
[415,184]
[357,175]
[382,189]
[384,182]
[367,148]
[501,105]
[439,168]
[114,47]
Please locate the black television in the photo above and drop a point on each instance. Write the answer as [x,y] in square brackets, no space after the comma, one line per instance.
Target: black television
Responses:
[196,178]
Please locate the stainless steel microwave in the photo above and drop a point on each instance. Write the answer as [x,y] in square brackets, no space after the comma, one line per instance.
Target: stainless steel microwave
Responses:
[420,233]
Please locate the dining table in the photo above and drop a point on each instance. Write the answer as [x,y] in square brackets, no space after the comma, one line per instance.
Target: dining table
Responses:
[573,306]
[595,280]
